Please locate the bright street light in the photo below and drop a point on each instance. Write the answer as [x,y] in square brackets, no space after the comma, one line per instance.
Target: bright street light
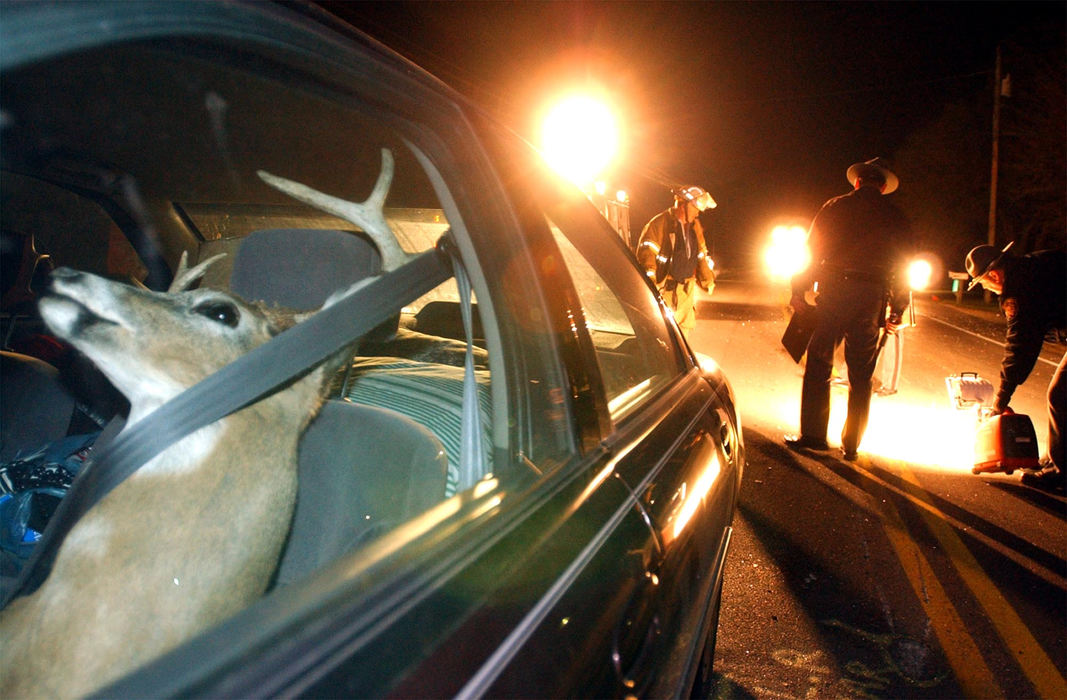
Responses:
[579,138]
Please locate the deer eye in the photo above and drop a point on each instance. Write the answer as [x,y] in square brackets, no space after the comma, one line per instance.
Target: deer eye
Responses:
[221,311]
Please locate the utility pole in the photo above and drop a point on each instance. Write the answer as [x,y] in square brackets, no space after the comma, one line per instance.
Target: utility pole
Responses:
[996,153]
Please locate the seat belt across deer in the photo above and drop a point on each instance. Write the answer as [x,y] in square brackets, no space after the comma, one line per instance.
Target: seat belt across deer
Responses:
[238,384]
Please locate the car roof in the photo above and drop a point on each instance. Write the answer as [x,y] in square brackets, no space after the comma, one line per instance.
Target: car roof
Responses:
[32,31]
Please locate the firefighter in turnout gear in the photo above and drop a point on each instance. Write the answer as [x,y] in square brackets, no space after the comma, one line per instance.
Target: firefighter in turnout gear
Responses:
[674,253]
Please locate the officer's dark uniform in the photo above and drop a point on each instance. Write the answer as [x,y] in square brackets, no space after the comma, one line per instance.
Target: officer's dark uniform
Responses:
[1034,301]
[858,243]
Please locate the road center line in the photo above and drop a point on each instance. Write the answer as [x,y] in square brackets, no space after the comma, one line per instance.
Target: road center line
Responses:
[1027,651]
[969,666]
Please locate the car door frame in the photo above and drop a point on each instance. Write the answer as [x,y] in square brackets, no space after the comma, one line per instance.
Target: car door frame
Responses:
[712,433]
[335,610]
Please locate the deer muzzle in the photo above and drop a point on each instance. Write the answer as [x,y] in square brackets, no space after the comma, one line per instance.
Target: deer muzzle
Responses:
[75,301]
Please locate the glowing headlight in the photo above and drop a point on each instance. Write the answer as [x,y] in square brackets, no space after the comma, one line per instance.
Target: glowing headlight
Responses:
[787,253]
[920,272]
[579,138]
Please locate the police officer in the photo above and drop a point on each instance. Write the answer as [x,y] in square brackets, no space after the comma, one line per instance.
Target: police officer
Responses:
[675,256]
[859,242]
[1033,296]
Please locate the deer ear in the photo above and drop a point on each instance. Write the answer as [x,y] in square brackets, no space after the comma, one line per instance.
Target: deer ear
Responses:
[279,318]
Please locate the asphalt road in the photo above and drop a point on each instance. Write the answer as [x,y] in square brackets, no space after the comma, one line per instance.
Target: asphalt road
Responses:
[902,574]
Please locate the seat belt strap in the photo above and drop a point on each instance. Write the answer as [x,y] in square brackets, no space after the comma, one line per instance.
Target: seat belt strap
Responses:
[240,383]
[473,463]
[472,457]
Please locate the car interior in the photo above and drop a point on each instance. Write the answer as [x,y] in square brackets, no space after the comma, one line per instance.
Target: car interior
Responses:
[491,354]
[163,159]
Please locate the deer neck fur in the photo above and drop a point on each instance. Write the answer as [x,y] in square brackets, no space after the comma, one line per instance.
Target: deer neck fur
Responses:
[190,538]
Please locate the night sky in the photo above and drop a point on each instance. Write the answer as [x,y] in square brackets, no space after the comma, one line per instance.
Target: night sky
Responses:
[764,104]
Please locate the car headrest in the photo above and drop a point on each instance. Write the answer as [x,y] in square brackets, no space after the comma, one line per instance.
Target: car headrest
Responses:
[300,268]
[35,408]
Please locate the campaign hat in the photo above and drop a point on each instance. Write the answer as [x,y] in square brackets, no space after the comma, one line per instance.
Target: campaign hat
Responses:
[875,168]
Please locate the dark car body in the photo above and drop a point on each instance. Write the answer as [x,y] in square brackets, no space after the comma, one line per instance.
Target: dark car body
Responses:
[588,559]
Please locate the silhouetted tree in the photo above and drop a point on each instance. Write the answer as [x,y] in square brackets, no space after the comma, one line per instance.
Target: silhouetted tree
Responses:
[1033,146]
[945,166]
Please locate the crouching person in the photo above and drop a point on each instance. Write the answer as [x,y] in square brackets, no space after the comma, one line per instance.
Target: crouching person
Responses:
[1031,289]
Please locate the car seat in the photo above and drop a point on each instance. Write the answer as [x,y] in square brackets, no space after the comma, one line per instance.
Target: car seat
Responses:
[362,470]
[430,393]
[35,409]
[300,268]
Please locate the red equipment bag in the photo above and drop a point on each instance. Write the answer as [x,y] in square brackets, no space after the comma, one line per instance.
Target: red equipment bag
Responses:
[1004,443]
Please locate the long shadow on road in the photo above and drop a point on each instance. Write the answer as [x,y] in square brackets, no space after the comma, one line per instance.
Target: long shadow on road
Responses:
[831,552]
[815,519]
[973,523]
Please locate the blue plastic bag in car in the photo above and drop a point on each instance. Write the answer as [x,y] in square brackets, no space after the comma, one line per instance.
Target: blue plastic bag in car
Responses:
[31,487]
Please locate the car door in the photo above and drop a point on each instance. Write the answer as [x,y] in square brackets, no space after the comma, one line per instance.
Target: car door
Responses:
[584,611]
[682,462]
[524,584]
[539,576]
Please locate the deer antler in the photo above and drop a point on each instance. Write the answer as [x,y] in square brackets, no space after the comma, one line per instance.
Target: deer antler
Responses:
[185,276]
[368,215]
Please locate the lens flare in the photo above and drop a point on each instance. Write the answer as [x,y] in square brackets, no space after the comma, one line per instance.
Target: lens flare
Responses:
[920,272]
[787,252]
[579,138]
[935,436]
[929,436]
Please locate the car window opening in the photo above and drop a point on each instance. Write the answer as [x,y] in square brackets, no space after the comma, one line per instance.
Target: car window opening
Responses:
[386,446]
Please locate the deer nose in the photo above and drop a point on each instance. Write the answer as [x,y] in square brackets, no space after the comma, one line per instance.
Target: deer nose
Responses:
[63,275]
